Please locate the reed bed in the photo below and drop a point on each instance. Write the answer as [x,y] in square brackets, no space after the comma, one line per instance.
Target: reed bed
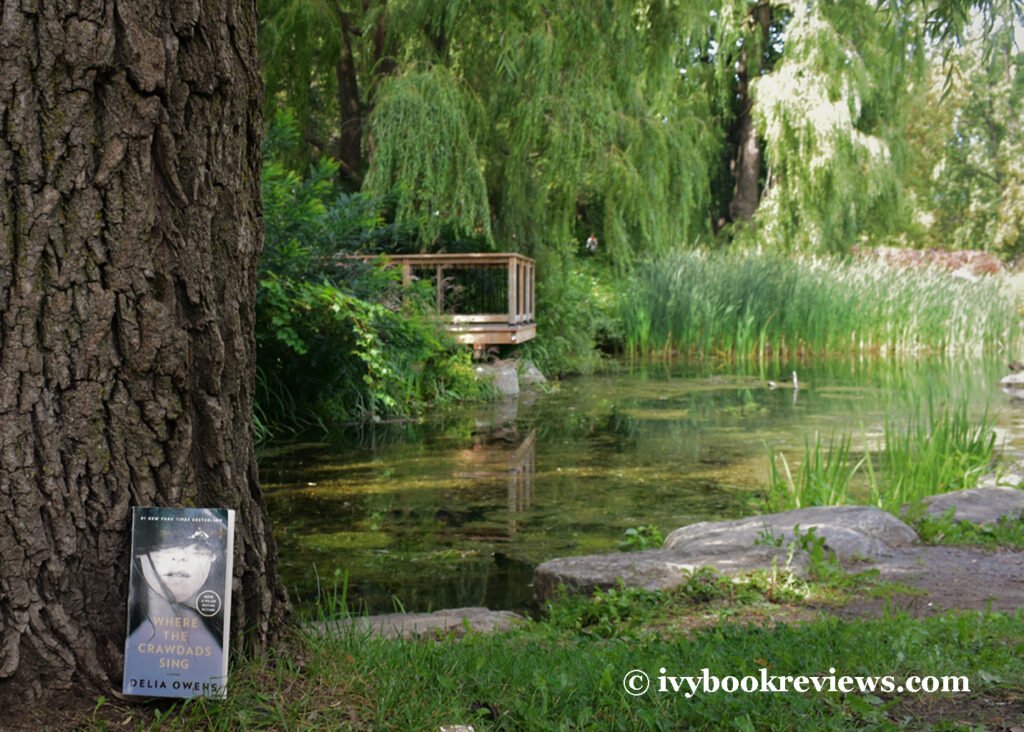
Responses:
[934,452]
[822,478]
[752,305]
[937,449]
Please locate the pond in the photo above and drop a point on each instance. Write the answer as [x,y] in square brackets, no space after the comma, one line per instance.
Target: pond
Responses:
[456,510]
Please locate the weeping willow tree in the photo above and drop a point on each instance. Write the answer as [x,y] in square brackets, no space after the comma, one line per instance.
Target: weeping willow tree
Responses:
[650,124]
[425,156]
[583,123]
[967,145]
[830,114]
[322,61]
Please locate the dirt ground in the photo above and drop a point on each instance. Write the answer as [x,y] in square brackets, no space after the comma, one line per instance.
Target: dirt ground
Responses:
[945,578]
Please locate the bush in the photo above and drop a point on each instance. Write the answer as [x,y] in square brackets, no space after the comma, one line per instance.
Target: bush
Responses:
[338,339]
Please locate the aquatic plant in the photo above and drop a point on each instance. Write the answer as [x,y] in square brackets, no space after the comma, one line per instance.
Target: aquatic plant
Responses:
[941,450]
[757,306]
[822,477]
[938,449]
[640,538]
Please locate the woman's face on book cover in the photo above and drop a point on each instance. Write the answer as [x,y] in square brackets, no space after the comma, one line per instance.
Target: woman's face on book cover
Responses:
[181,569]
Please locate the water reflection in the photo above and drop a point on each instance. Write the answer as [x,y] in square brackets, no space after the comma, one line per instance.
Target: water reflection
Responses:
[458,509]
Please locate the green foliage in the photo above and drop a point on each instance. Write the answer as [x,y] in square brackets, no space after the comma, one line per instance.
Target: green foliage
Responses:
[942,450]
[822,478]
[592,129]
[748,305]
[967,145]
[1007,532]
[425,155]
[632,612]
[640,538]
[616,612]
[299,46]
[573,309]
[545,122]
[337,339]
[828,113]
[530,126]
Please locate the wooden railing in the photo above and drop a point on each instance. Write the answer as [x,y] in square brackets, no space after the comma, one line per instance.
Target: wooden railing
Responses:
[483,298]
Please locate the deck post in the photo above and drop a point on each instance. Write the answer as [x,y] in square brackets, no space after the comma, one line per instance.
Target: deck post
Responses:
[440,290]
[511,290]
[529,292]
[521,300]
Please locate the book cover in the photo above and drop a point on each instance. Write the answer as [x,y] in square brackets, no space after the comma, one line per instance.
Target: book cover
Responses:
[179,602]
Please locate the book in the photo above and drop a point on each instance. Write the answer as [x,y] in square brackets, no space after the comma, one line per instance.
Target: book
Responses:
[179,602]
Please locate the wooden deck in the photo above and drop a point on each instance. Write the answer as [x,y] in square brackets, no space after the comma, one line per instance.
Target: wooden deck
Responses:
[483,299]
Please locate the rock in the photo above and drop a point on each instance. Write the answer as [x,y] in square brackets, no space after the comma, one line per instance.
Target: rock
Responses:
[731,547]
[978,505]
[1013,385]
[1011,477]
[655,569]
[1013,381]
[502,374]
[530,375]
[453,622]
[852,532]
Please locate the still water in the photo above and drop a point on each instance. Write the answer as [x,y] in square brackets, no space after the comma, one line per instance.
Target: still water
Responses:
[458,509]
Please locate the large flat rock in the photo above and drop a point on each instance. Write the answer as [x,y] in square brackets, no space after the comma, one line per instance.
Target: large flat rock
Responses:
[852,532]
[655,569]
[978,505]
[452,622]
[731,547]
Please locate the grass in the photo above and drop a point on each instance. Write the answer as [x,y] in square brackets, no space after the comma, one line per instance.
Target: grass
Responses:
[937,450]
[822,478]
[546,677]
[758,306]
[1007,532]
[940,451]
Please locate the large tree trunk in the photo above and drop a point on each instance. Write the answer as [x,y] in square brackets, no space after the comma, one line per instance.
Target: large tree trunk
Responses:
[130,230]
[747,165]
[350,147]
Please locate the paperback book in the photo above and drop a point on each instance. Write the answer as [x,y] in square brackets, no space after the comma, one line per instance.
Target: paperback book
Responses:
[179,602]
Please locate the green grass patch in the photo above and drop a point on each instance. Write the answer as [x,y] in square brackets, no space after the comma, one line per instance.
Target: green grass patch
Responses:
[1007,532]
[544,677]
[626,612]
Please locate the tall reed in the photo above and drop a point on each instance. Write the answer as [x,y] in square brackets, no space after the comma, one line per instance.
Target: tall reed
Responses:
[936,450]
[752,305]
[822,477]
[942,450]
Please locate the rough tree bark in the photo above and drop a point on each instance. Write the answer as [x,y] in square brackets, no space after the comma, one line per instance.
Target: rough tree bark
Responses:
[747,165]
[130,229]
